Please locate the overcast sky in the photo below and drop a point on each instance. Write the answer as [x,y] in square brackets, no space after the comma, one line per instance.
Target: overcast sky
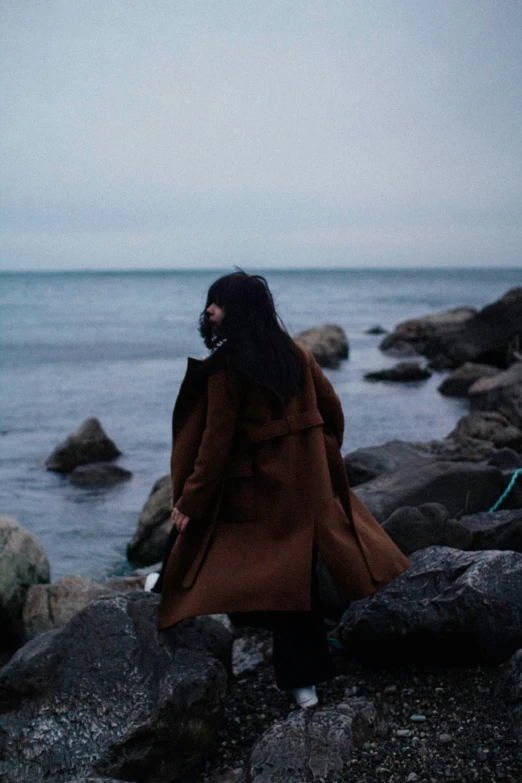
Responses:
[200,133]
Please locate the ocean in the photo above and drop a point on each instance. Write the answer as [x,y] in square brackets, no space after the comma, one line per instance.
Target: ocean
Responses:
[114,345]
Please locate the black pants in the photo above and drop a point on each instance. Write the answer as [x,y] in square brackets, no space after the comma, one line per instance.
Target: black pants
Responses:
[300,652]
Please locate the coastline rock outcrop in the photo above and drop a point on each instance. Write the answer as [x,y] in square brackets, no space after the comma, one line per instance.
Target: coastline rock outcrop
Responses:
[99,474]
[23,562]
[449,607]
[89,443]
[461,335]
[458,382]
[502,394]
[308,745]
[107,696]
[463,487]
[403,372]
[328,344]
[414,528]
[149,540]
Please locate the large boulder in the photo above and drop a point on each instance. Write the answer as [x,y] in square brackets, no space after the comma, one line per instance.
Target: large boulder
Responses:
[328,343]
[489,426]
[501,530]
[109,696]
[403,372]
[414,528]
[309,745]
[458,382]
[463,335]
[425,333]
[502,393]
[51,606]
[149,540]
[369,462]
[449,607]
[89,443]
[23,562]
[99,474]
[463,487]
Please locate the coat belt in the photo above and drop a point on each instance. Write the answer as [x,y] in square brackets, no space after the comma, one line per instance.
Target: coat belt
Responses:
[279,427]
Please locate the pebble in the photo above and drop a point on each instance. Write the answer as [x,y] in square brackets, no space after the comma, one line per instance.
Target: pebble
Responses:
[390,689]
[403,733]
[418,718]
[445,738]
[411,777]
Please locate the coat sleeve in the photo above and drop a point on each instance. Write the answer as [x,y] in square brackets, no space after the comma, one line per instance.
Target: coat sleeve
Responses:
[328,402]
[214,450]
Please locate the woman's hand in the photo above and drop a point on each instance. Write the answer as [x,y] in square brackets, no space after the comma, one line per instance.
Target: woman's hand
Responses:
[179,519]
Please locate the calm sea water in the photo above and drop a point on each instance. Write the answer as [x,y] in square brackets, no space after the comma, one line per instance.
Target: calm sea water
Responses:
[114,345]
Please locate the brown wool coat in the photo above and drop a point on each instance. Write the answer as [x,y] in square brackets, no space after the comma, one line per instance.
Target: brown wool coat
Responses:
[261,486]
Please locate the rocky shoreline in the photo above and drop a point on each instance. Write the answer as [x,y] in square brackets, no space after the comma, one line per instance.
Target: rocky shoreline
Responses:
[430,668]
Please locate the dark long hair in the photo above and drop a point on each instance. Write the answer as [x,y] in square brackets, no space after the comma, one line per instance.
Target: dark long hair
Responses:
[251,338]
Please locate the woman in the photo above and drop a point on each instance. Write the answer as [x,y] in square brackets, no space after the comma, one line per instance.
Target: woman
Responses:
[259,487]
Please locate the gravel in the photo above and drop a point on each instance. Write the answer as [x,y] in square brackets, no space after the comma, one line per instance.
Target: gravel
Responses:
[435,724]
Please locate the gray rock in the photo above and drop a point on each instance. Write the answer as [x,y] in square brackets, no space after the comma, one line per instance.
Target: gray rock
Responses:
[502,394]
[463,335]
[403,372]
[369,462]
[328,343]
[51,606]
[247,656]
[414,528]
[125,584]
[489,426]
[308,745]
[148,543]
[23,562]
[458,382]
[501,530]
[376,330]
[449,607]
[109,696]
[509,688]
[99,474]
[95,780]
[423,334]
[506,460]
[463,487]
[89,443]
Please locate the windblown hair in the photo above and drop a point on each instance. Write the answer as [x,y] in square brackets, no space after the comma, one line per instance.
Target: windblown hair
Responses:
[251,338]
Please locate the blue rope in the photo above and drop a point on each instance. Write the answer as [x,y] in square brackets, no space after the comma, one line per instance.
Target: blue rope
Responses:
[507,491]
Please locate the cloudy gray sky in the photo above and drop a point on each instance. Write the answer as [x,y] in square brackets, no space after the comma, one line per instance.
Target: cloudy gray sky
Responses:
[200,133]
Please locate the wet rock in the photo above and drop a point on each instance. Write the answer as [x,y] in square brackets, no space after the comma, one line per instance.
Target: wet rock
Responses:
[502,394]
[414,528]
[99,474]
[489,426]
[501,530]
[423,334]
[51,606]
[463,487]
[403,372]
[458,383]
[308,745]
[150,538]
[109,696]
[328,343]
[89,443]
[506,460]
[450,607]
[376,330]
[23,562]
[457,449]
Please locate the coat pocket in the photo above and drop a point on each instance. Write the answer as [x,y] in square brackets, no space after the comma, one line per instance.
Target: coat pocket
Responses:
[238,502]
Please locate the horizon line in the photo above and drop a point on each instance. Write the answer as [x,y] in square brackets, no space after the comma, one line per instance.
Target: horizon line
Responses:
[156,270]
